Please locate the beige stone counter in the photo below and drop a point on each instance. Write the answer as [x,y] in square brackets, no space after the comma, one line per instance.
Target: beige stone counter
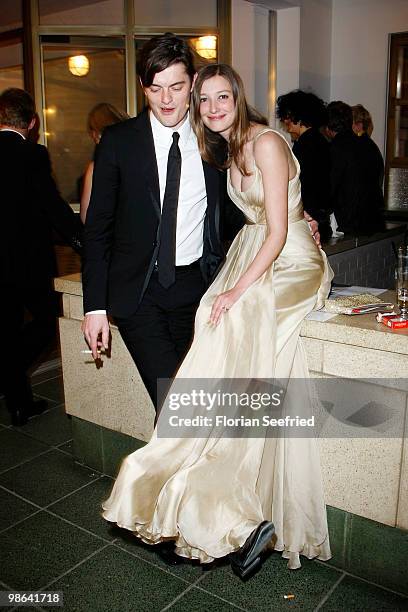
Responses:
[111,395]
[365,476]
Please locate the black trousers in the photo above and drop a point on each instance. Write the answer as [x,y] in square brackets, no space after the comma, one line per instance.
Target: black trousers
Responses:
[159,333]
[24,338]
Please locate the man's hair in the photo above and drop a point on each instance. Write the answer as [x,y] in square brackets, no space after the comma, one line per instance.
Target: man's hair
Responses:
[17,108]
[159,53]
[301,106]
[339,117]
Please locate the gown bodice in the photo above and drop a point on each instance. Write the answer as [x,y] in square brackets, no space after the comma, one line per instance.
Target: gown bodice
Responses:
[251,201]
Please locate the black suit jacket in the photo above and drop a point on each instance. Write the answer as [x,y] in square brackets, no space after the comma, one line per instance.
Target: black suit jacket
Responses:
[122,230]
[355,185]
[31,208]
[313,153]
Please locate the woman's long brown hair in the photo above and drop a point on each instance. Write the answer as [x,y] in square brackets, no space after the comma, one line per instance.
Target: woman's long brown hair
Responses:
[213,147]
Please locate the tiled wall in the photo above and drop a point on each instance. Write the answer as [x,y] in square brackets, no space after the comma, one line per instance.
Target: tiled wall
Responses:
[369,549]
[371,265]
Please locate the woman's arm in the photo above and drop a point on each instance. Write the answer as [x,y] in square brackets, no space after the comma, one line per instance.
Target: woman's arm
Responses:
[271,157]
[86,191]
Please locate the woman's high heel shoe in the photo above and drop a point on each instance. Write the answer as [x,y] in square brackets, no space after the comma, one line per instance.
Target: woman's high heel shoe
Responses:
[247,559]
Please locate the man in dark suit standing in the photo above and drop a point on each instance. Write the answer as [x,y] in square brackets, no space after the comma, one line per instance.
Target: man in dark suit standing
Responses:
[371,154]
[355,183]
[31,207]
[303,113]
[152,230]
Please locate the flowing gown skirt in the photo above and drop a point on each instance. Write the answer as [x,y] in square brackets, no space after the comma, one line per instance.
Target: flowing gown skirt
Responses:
[208,494]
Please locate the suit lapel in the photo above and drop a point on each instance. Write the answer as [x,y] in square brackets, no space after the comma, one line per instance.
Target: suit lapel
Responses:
[211,184]
[145,141]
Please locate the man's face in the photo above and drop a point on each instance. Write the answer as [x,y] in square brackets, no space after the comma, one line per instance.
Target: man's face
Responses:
[292,128]
[329,133]
[169,95]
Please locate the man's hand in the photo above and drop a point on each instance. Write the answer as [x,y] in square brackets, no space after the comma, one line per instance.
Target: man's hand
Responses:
[95,328]
[314,228]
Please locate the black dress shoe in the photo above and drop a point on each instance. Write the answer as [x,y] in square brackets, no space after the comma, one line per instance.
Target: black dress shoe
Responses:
[167,554]
[20,416]
[247,559]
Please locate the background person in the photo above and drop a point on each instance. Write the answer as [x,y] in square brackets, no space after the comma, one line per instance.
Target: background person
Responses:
[303,114]
[363,127]
[356,195]
[99,118]
[31,207]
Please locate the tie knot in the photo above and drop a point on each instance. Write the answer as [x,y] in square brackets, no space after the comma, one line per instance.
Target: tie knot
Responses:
[176,137]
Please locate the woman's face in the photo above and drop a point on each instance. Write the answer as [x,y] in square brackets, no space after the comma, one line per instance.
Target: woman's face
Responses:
[217,106]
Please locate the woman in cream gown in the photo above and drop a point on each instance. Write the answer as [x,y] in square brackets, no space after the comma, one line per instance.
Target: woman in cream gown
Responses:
[209,494]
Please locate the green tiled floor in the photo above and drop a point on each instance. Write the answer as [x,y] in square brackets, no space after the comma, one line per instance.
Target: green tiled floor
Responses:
[52,537]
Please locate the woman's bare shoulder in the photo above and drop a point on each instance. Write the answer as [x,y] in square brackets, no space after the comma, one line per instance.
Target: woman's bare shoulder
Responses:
[269,143]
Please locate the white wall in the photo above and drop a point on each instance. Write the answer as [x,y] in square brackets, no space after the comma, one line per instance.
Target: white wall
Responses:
[287,52]
[250,51]
[243,44]
[360,33]
[315,46]
[261,52]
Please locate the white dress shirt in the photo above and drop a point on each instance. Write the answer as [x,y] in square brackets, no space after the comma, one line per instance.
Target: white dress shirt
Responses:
[192,203]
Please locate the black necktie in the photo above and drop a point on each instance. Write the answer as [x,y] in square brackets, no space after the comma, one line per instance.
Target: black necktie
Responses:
[166,258]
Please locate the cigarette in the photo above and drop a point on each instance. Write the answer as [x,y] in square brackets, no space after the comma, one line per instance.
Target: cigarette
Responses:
[88,352]
[289,596]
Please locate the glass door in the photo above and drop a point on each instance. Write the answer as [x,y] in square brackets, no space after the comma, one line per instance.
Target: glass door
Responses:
[396,185]
[78,73]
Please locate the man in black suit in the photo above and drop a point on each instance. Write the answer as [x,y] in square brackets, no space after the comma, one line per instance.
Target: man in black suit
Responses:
[303,113]
[355,182]
[363,128]
[152,238]
[31,207]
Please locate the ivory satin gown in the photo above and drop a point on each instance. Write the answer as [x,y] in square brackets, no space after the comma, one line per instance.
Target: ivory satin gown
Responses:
[209,494]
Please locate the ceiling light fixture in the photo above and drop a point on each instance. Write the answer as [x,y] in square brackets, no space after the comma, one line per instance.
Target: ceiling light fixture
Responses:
[78,65]
[206,46]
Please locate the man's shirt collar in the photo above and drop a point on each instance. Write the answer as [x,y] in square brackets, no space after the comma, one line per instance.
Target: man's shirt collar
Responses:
[11,130]
[163,135]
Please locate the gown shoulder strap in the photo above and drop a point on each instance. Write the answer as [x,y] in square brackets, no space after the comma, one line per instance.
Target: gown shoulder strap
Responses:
[269,129]
[266,129]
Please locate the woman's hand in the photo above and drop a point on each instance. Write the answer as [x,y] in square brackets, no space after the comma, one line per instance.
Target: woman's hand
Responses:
[223,303]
